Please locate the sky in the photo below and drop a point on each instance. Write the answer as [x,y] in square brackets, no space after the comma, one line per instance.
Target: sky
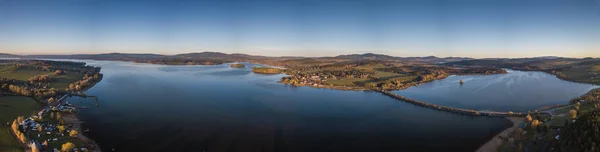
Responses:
[466,28]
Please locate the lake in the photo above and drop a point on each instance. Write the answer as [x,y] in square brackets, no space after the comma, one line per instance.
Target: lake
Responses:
[146,107]
[515,91]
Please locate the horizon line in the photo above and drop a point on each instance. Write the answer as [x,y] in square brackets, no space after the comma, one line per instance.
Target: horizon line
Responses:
[306,56]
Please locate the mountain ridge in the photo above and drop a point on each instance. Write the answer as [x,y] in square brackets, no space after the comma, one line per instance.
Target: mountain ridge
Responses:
[241,56]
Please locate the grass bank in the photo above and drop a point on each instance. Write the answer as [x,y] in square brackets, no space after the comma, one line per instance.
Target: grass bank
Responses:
[10,108]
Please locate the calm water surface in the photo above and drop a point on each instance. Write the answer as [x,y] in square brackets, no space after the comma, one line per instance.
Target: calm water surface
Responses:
[216,108]
[515,91]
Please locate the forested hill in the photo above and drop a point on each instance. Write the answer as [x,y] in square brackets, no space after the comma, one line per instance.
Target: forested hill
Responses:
[4,55]
[209,58]
[217,58]
[382,57]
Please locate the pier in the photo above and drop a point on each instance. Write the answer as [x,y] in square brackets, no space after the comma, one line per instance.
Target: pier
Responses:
[84,95]
[452,109]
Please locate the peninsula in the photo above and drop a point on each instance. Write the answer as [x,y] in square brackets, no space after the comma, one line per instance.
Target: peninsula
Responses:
[42,87]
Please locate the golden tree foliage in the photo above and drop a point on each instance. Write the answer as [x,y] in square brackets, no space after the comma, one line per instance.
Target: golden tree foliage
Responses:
[61,129]
[15,126]
[67,147]
[40,128]
[34,148]
[573,113]
[528,118]
[22,137]
[73,133]
[535,123]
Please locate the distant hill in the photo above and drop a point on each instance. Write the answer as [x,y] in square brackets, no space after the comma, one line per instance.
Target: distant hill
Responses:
[372,56]
[542,62]
[219,55]
[4,55]
[367,56]
[108,56]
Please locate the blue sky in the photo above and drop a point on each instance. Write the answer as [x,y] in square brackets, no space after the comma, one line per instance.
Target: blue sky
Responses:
[473,28]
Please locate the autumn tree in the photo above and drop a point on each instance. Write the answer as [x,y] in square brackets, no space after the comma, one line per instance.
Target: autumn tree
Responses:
[73,133]
[34,148]
[40,128]
[61,129]
[528,118]
[15,126]
[67,147]
[58,72]
[535,123]
[22,137]
[573,113]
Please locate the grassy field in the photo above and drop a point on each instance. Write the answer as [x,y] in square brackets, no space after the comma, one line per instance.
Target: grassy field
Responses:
[386,75]
[563,114]
[62,81]
[12,107]
[21,74]
[383,76]
[370,67]
[584,73]
[345,81]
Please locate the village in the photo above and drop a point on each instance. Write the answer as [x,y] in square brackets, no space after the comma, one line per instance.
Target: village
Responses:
[51,129]
[45,86]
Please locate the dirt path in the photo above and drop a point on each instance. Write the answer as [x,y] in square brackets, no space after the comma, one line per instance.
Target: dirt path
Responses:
[494,143]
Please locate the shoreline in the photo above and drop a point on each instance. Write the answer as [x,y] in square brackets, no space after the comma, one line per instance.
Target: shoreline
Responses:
[90,144]
[93,146]
[493,144]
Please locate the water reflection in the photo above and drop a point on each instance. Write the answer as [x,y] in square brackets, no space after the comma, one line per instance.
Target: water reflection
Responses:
[515,91]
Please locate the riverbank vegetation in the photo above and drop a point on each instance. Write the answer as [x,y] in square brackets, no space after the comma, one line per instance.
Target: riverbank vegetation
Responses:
[571,127]
[238,65]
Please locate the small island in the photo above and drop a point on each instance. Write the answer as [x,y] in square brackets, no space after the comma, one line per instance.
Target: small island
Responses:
[266,70]
[238,65]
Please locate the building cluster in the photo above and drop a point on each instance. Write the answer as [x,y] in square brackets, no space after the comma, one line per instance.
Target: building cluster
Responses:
[39,132]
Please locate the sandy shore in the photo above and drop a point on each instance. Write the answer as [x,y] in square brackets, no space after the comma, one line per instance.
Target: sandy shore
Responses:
[494,143]
[90,144]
